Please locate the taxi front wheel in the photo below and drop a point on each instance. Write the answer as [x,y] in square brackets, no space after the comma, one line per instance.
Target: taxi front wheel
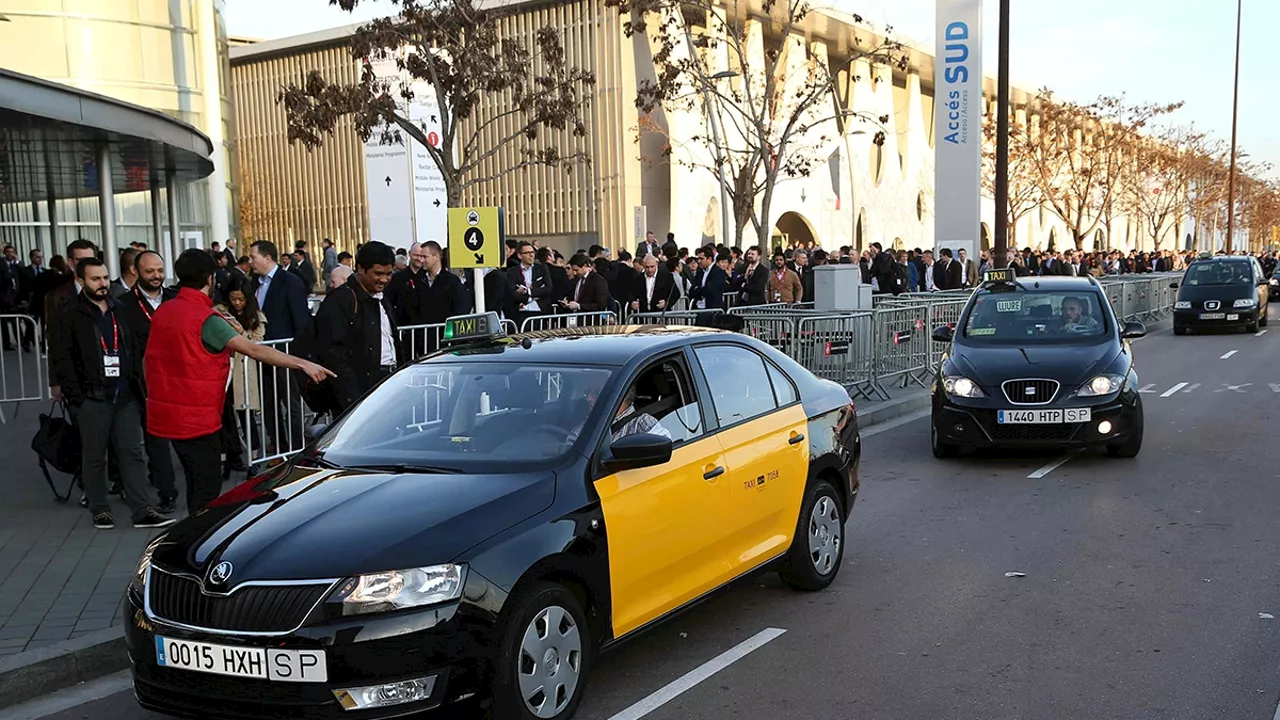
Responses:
[543,654]
[818,546]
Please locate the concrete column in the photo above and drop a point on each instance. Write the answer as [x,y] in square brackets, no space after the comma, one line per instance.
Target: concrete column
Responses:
[170,250]
[157,226]
[56,245]
[107,211]
[211,90]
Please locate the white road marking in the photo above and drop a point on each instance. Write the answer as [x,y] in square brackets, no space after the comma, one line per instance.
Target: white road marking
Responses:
[1275,387]
[1260,333]
[1234,388]
[1192,387]
[1052,466]
[1172,390]
[1233,352]
[1147,388]
[698,674]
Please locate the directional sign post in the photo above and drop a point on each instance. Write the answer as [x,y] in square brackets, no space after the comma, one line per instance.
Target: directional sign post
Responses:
[476,240]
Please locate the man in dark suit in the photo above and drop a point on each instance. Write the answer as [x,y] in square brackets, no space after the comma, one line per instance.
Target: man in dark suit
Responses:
[531,285]
[442,294]
[60,298]
[654,290]
[707,291]
[283,300]
[305,269]
[648,247]
[947,273]
[11,299]
[590,291]
[755,279]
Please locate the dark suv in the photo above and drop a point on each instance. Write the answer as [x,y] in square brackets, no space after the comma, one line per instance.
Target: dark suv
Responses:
[1223,291]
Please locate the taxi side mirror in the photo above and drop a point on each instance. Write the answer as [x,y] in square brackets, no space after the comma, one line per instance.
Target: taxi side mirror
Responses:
[942,333]
[1173,286]
[315,431]
[1133,330]
[637,451]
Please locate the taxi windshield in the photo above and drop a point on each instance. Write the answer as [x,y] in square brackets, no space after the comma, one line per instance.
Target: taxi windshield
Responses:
[457,416]
[1218,272]
[1035,316]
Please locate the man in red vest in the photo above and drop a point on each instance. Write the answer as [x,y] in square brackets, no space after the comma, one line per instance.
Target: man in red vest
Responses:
[187,366]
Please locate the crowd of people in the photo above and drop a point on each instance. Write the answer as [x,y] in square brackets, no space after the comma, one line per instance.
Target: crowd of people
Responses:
[149,372]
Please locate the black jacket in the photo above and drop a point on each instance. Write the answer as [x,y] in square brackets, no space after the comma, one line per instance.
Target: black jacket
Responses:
[593,295]
[348,337]
[713,292]
[138,311]
[755,286]
[443,298]
[540,290]
[75,352]
[285,305]
[664,288]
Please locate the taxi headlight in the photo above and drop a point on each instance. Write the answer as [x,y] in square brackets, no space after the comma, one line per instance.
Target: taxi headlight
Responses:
[1182,305]
[1101,385]
[961,387]
[399,589]
[1245,303]
[139,580]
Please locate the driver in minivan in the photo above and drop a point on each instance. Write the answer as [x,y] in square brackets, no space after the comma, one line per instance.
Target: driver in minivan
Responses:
[1073,318]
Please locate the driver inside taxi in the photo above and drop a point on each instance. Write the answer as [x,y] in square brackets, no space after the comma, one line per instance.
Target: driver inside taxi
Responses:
[1073,318]
[633,422]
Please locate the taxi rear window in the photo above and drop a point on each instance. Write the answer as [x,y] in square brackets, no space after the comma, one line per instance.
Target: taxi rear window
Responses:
[1029,316]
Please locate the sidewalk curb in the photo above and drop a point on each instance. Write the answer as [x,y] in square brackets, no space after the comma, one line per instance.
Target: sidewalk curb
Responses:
[883,412]
[33,673]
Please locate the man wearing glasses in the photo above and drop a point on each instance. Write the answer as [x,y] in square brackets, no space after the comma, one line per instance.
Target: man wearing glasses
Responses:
[531,285]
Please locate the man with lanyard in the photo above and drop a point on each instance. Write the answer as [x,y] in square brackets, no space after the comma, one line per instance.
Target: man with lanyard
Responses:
[139,306]
[187,369]
[98,361]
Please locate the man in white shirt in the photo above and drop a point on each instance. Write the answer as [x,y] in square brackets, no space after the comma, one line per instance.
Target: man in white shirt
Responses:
[654,289]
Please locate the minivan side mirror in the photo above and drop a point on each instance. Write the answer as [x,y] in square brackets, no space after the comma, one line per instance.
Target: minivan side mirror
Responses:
[316,430]
[942,333]
[1173,286]
[1133,330]
[637,451]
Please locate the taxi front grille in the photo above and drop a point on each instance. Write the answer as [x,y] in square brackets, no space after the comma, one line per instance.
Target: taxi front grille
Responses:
[254,608]
[1030,392]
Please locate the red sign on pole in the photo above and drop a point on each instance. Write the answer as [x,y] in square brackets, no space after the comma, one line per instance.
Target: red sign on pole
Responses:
[433,138]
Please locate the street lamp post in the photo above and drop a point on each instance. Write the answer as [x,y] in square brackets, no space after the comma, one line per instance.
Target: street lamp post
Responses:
[1235,111]
[1000,249]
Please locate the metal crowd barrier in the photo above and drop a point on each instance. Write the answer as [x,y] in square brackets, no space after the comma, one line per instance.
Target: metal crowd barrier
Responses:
[568,320]
[268,406]
[22,374]
[838,347]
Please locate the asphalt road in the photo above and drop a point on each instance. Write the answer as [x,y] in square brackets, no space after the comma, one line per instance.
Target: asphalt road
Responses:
[1144,581]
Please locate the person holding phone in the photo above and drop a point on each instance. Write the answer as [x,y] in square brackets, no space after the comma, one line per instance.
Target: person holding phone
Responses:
[590,292]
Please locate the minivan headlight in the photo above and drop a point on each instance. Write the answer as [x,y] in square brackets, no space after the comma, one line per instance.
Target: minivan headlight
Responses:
[1245,303]
[960,386]
[1101,385]
[399,589]
[1182,305]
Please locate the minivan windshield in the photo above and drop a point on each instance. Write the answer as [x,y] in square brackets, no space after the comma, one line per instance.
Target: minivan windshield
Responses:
[1218,272]
[461,417]
[1034,316]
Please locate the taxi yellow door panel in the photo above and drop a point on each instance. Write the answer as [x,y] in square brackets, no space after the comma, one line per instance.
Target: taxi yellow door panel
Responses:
[666,528]
[768,465]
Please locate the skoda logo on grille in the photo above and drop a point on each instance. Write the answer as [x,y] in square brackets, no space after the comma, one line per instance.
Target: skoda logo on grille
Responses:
[220,573]
[1210,304]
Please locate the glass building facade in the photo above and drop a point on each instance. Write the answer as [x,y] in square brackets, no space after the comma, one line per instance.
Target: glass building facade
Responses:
[151,53]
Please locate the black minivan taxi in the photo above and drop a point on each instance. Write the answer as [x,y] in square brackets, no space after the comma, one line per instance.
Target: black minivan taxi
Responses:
[1221,291]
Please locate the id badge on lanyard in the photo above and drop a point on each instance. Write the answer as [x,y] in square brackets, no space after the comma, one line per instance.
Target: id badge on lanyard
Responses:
[111,356]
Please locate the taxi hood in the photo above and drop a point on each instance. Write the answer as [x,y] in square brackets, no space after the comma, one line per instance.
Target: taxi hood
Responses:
[1069,364]
[337,523]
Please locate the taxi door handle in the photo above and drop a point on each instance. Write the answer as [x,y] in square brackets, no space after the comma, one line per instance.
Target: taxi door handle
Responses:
[797,438]
[713,474]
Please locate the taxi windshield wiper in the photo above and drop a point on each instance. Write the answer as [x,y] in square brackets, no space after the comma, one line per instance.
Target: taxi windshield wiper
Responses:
[409,468]
[319,461]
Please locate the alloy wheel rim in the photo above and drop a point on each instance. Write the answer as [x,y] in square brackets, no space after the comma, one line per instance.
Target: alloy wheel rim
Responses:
[550,662]
[825,535]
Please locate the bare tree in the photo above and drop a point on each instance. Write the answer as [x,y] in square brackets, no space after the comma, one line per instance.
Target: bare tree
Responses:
[768,98]
[494,91]
[1024,193]
[1157,183]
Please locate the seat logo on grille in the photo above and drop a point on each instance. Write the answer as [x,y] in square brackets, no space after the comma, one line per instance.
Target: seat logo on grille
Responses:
[220,573]
[1210,304]
[1029,391]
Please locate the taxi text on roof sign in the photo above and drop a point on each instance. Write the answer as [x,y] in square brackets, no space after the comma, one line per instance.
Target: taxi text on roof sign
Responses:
[473,327]
[476,237]
[998,275]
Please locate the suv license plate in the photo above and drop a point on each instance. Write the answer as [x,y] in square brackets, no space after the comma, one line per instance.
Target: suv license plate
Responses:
[1213,316]
[1044,417]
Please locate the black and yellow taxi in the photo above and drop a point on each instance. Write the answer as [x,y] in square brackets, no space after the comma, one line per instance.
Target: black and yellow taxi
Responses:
[1221,292]
[1037,362]
[487,519]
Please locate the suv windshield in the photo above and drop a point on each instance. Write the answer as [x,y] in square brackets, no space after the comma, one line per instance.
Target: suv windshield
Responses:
[1032,315]
[1218,272]
[455,416]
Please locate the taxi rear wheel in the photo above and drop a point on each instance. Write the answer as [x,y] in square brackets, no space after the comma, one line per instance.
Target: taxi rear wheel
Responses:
[543,655]
[817,549]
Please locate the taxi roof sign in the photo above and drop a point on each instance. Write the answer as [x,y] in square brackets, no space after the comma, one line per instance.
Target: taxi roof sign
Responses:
[480,326]
[999,275]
